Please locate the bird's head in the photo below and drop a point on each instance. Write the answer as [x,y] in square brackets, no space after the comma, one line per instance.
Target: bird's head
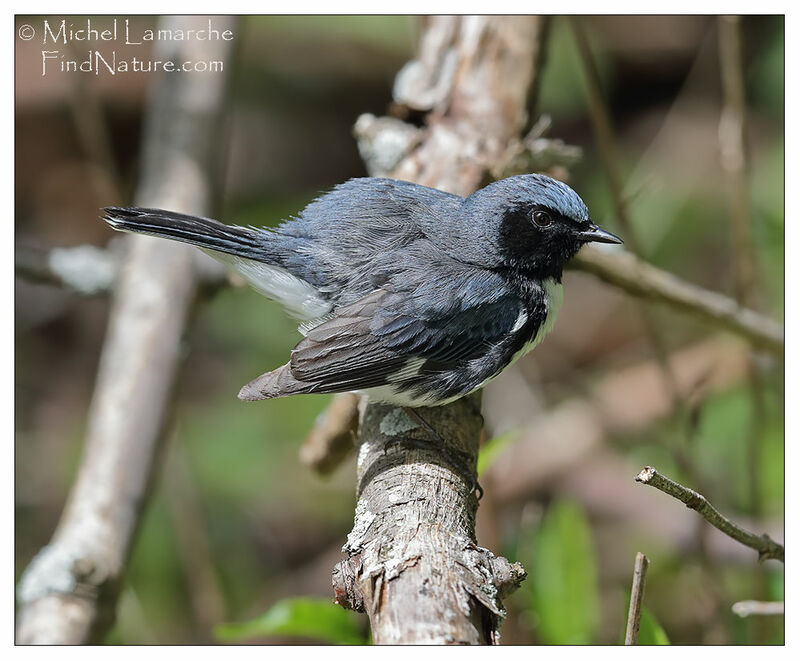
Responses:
[535,223]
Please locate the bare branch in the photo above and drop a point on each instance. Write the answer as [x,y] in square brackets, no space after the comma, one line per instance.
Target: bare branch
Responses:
[622,404]
[536,153]
[638,278]
[766,547]
[89,271]
[748,608]
[733,155]
[333,436]
[637,599]
[68,593]
[85,270]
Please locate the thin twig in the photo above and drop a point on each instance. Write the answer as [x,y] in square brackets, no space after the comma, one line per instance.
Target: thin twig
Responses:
[733,156]
[640,566]
[733,159]
[638,278]
[333,435]
[764,544]
[747,608]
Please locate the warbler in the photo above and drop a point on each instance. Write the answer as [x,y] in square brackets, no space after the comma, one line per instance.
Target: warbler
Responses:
[408,294]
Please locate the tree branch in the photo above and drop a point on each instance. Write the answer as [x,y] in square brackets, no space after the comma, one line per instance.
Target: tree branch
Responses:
[766,547]
[412,562]
[748,608]
[68,593]
[639,278]
[637,598]
[333,435]
[733,156]
[85,270]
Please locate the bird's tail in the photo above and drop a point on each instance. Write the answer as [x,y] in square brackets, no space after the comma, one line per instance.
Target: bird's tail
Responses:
[203,232]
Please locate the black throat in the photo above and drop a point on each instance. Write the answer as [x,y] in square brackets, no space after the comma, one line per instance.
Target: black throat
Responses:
[529,284]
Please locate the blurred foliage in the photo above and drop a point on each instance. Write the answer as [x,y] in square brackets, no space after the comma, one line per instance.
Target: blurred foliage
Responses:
[303,617]
[391,33]
[273,530]
[650,631]
[561,91]
[493,448]
[562,582]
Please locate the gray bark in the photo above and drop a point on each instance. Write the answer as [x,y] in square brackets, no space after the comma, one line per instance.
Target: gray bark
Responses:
[413,562]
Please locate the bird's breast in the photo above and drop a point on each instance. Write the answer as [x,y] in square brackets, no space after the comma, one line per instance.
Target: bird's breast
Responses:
[537,317]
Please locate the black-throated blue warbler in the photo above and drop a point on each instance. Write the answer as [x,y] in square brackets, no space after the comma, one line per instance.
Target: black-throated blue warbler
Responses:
[408,294]
[413,296]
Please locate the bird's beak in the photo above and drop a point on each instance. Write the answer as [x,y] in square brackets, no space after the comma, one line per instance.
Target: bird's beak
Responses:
[598,235]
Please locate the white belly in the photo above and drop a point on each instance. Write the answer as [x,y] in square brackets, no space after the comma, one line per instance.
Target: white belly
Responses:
[298,297]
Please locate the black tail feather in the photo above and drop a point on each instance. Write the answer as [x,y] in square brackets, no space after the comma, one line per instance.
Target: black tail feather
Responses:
[203,232]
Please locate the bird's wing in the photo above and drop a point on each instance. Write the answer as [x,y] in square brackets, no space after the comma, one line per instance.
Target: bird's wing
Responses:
[369,343]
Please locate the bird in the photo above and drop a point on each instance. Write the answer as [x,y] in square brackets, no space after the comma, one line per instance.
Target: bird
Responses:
[410,295]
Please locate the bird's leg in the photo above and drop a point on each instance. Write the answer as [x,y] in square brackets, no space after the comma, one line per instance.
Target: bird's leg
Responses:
[438,443]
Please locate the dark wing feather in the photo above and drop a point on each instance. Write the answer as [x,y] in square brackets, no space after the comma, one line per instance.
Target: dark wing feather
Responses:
[343,353]
[368,342]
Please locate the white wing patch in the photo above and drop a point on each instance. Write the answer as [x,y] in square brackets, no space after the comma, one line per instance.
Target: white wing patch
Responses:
[392,394]
[300,298]
[521,319]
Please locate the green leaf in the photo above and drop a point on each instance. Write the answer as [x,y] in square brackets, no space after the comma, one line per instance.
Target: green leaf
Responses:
[650,631]
[308,617]
[771,460]
[564,578]
[493,447]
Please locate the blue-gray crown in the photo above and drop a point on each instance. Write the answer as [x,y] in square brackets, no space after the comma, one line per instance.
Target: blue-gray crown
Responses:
[539,189]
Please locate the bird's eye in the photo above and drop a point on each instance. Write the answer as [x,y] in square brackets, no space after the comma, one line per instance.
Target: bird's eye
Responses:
[542,218]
